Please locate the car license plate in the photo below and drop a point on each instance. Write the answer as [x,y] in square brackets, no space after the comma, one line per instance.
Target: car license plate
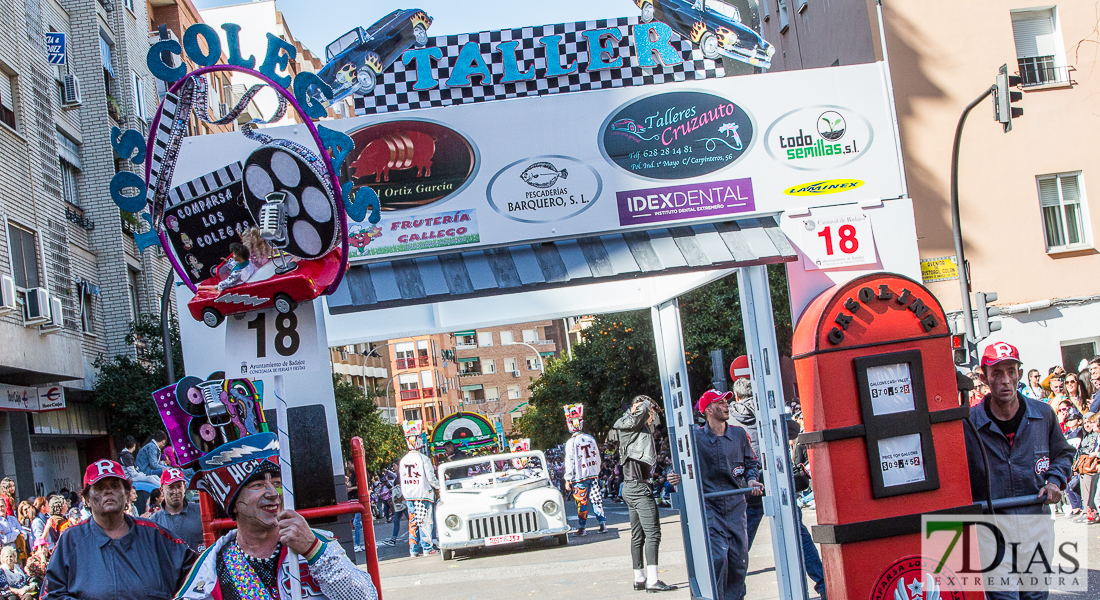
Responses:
[504,539]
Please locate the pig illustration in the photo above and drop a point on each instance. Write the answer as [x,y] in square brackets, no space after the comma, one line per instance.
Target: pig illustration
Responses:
[396,151]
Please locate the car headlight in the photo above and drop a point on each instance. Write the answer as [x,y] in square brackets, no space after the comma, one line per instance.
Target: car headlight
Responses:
[549,507]
[452,521]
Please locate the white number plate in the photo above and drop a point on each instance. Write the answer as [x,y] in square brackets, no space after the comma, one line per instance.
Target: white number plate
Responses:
[504,539]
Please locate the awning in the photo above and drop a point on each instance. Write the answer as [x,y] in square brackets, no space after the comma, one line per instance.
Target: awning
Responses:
[467,359]
[470,388]
[465,333]
[518,406]
[546,354]
[558,264]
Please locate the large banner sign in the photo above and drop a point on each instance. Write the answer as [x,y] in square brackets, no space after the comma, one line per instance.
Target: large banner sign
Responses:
[569,165]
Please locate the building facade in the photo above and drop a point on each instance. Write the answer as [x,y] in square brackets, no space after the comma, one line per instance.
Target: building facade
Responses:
[497,365]
[366,366]
[425,378]
[1028,227]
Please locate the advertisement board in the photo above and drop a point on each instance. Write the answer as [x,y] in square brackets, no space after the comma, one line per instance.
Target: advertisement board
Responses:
[569,165]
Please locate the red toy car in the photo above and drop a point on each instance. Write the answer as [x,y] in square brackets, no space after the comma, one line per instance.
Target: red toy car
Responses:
[265,289]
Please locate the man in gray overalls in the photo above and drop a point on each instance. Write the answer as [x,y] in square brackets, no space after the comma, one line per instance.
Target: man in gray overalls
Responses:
[726,462]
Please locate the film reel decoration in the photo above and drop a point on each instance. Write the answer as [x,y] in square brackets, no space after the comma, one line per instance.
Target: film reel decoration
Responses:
[312,225]
[202,415]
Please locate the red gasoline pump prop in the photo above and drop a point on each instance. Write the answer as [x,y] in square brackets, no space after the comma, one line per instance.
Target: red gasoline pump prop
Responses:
[883,419]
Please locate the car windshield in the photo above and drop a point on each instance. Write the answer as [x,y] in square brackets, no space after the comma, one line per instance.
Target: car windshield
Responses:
[493,473]
[728,11]
[346,41]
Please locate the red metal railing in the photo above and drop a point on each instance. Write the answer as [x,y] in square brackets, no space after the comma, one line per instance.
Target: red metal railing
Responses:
[427,392]
[406,363]
[412,394]
[424,361]
[212,527]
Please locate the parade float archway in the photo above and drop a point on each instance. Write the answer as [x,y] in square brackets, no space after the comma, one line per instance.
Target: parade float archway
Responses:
[621,197]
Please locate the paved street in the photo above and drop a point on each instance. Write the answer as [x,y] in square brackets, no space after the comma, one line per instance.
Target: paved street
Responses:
[597,566]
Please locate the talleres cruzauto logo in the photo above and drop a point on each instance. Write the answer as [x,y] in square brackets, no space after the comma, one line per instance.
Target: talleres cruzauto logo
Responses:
[677,135]
[818,137]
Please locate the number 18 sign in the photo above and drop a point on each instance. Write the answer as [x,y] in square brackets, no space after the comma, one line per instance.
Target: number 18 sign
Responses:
[838,240]
[268,342]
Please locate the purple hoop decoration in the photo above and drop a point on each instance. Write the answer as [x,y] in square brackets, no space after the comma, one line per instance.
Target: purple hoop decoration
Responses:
[316,139]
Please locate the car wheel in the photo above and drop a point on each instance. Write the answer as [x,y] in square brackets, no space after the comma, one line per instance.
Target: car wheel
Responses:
[420,35]
[709,45]
[448,555]
[212,317]
[647,12]
[367,78]
[284,304]
[563,539]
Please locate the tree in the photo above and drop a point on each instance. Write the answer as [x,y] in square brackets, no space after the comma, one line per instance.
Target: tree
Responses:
[357,415]
[124,386]
[618,360]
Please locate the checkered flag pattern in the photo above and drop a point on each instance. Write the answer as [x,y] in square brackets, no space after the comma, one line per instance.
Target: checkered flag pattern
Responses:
[394,91]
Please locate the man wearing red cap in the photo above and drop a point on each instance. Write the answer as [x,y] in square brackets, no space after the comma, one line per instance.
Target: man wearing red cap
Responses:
[1027,452]
[726,462]
[114,556]
[179,516]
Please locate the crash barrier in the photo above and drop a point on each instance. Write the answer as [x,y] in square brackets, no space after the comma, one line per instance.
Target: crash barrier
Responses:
[212,527]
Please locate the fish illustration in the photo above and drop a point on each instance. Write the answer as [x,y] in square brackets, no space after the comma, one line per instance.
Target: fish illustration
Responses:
[543,175]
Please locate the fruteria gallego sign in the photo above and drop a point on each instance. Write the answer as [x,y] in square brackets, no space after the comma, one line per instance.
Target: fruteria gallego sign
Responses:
[568,165]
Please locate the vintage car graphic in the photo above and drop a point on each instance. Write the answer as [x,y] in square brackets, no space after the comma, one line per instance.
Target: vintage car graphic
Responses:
[356,58]
[714,25]
[489,501]
[265,288]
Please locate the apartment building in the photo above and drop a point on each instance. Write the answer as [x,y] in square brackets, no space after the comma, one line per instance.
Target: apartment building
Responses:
[366,366]
[496,366]
[425,378]
[1027,222]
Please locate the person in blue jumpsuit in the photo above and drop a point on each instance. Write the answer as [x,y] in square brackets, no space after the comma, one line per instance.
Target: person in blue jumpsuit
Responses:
[113,556]
[1028,454]
[726,462]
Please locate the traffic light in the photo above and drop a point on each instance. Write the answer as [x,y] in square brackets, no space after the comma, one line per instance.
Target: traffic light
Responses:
[964,352]
[1003,97]
[985,326]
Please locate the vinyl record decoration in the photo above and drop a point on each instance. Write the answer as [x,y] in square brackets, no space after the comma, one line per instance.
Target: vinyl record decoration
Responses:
[468,431]
[199,420]
[284,166]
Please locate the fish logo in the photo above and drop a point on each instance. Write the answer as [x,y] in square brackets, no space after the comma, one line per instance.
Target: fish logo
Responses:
[542,175]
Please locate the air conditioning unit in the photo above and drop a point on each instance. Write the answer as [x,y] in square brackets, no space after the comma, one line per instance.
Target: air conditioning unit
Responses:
[7,294]
[57,317]
[70,91]
[515,373]
[36,310]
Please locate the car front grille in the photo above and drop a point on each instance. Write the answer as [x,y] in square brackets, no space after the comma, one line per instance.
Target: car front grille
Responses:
[503,524]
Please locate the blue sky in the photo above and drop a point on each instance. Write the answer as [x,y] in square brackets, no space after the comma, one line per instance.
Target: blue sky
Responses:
[317,22]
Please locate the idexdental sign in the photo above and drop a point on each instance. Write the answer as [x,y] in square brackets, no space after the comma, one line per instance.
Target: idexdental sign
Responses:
[563,166]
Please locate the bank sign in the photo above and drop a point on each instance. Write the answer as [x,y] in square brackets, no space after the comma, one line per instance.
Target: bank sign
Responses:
[32,399]
[604,161]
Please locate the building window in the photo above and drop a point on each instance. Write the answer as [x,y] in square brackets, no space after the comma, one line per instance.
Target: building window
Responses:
[513,392]
[409,384]
[68,183]
[139,97]
[533,363]
[87,321]
[7,99]
[506,338]
[412,414]
[531,336]
[24,257]
[1077,354]
[422,353]
[492,394]
[466,341]
[784,20]
[485,338]
[510,365]
[406,355]
[129,4]
[1039,52]
[132,286]
[488,366]
[1063,211]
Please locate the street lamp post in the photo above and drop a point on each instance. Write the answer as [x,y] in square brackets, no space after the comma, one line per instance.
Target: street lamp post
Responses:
[538,357]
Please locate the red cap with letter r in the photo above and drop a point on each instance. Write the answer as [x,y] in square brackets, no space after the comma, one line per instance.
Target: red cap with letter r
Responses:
[999,352]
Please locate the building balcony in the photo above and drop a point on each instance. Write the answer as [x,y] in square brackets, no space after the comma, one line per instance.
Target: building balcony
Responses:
[469,373]
[410,394]
[427,392]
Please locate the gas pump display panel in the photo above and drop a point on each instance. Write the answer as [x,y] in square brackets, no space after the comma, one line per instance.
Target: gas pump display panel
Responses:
[898,429]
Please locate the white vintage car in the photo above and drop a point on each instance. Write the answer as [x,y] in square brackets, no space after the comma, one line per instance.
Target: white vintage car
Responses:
[498,499]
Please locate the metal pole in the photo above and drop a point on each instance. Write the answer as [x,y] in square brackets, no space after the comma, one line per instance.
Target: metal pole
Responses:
[568,342]
[169,359]
[538,357]
[956,227]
